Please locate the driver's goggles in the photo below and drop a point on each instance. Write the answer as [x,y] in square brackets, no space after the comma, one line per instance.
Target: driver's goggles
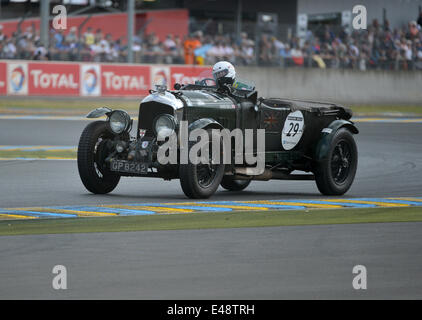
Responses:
[220,74]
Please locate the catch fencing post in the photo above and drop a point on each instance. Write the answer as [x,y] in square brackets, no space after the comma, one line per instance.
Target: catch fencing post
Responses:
[130,14]
[44,15]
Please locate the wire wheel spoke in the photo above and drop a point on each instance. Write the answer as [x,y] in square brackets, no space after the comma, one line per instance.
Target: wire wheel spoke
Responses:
[340,162]
[99,153]
[206,172]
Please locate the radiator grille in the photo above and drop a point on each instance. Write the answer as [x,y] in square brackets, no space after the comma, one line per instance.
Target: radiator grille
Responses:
[148,112]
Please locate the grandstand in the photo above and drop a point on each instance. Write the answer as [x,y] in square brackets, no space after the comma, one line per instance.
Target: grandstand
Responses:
[179,32]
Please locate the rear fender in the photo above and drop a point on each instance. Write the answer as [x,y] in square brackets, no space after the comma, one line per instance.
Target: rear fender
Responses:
[327,135]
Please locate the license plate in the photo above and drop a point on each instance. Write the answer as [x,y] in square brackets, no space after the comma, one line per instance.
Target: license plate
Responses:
[128,166]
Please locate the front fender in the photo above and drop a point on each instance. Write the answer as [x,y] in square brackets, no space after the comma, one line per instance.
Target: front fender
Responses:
[205,123]
[99,112]
[327,135]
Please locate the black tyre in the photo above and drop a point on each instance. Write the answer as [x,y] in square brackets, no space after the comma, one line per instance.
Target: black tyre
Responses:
[335,174]
[202,180]
[231,184]
[92,150]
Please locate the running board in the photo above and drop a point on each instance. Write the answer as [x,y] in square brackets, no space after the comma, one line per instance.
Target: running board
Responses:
[244,174]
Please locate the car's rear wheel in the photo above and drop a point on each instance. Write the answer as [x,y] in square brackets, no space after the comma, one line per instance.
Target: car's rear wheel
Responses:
[231,184]
[92,151]
[200,181]
[334,175]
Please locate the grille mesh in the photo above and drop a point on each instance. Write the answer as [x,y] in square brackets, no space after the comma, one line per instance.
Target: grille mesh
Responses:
[148,112]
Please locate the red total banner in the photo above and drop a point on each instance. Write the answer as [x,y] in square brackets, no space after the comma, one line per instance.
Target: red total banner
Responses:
[3,70]
[125,80]
[91,79]
[53,79]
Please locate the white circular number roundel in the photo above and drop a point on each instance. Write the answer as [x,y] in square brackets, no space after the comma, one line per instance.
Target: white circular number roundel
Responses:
[292,130]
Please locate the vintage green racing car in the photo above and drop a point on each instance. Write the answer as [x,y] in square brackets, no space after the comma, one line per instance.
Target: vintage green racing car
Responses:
[283,136]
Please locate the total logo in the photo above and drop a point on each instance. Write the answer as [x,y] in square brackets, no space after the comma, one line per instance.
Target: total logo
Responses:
[46,80]
[90,80]
[17,75]
[123,82]
[160,76]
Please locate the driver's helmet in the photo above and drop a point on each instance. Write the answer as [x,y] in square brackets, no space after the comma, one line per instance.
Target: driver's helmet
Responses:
[224,73]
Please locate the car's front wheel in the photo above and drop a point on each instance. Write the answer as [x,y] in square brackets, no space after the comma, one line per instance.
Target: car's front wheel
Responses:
[200,181]
[92,151]
[334,175]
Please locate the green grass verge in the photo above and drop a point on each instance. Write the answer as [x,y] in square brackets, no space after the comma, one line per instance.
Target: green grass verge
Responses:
[83,105]
[38,154]
[381,109]
[238,219]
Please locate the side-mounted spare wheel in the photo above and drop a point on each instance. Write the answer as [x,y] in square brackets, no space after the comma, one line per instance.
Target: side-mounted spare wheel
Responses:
[92,151]
[335,172]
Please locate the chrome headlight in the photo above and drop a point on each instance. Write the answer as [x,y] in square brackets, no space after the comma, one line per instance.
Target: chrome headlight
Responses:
[165,125]
[119,121]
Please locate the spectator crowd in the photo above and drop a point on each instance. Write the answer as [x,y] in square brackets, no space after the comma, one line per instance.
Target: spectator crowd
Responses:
[378,47]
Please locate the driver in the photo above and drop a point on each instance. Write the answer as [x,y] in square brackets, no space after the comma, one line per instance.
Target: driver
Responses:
[224,74]
[225,78]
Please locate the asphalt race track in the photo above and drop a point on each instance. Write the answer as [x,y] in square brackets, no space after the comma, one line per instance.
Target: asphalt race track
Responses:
[263,263]
[311,262]
[389,166]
